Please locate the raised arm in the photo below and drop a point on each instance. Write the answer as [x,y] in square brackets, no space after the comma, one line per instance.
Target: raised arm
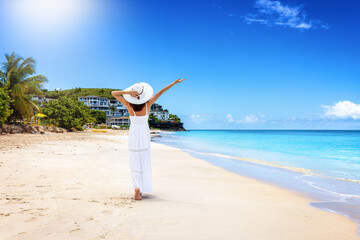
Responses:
[117,95]
[159,93]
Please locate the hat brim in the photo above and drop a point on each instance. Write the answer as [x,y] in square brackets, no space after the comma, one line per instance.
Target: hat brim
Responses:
[143,97]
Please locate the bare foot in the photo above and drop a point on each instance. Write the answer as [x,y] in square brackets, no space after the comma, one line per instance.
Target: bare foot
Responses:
[137,194]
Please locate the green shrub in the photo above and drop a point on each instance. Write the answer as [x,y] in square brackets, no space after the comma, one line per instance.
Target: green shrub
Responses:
[152,117]
[100,116]
[67,113]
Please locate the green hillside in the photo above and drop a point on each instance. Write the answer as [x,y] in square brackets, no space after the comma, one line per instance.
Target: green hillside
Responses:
[80,92]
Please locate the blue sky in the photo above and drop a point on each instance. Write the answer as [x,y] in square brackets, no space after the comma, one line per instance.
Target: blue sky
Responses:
[256,64]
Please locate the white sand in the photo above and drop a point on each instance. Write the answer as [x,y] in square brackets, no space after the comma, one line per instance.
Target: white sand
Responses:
[77,186]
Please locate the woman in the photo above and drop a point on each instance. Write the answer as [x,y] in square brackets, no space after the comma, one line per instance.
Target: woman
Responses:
[138,100]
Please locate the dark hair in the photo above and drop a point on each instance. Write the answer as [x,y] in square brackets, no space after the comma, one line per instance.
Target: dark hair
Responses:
[137,107]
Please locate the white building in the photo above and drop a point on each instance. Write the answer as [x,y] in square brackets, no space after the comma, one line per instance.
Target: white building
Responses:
[161,114]
[120,109]
[41,100]
[116,112]
[118,121]
[113,108]
[96,103]
[158,112]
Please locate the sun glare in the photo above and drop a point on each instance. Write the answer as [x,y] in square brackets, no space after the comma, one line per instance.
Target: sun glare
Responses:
[48,16]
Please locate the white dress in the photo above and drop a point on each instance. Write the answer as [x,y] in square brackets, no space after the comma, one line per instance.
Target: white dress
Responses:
[139,152]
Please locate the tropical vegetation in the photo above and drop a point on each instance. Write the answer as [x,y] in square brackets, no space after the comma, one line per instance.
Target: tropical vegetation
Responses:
[18,78]
[5,110]
[153,118]
[175,117]
[68,113]
[100,116]
[80,92]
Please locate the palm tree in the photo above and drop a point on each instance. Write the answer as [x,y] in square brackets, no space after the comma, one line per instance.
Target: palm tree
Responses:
[17,76]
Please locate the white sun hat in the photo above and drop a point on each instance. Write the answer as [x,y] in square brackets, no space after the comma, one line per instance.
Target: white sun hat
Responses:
[145,93]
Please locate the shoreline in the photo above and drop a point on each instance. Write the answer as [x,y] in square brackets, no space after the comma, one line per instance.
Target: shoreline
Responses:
[308,182]
[77,186]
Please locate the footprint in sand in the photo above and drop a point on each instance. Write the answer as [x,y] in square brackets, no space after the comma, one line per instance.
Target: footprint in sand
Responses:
[5,214]
[107,211]
[21,233]
[75,230]
[42,209]
[31,219]
[14,200]
[120,201]
[39,214]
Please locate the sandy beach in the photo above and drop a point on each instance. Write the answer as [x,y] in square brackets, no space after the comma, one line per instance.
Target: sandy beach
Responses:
[77,186]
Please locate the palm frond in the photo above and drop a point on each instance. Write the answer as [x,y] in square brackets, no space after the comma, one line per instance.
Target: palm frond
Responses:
[8,76]
[14,62]
[22,107]
[17,76]
[2,79]
[26,71]
[18,91]
[28,61]
[32,106]
[38,79]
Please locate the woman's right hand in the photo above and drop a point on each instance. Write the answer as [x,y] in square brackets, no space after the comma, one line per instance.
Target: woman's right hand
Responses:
[133,93]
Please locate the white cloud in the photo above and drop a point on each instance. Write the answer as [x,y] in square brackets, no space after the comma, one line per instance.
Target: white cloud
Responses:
[343,109]
[251,118]
[304,25]
[201,118]
[197,118]
[229,118]
[276,13]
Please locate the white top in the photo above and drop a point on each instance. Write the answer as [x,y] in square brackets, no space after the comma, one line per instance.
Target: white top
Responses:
[140,119]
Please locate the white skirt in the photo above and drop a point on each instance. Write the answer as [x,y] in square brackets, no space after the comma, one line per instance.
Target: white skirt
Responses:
[139,156]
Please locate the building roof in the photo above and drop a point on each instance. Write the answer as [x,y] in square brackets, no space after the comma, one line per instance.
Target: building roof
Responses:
[157,110]
[119,118]
[99,106]
[93,97]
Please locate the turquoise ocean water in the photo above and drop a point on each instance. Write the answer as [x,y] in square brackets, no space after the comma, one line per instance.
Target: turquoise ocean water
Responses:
[322,164]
